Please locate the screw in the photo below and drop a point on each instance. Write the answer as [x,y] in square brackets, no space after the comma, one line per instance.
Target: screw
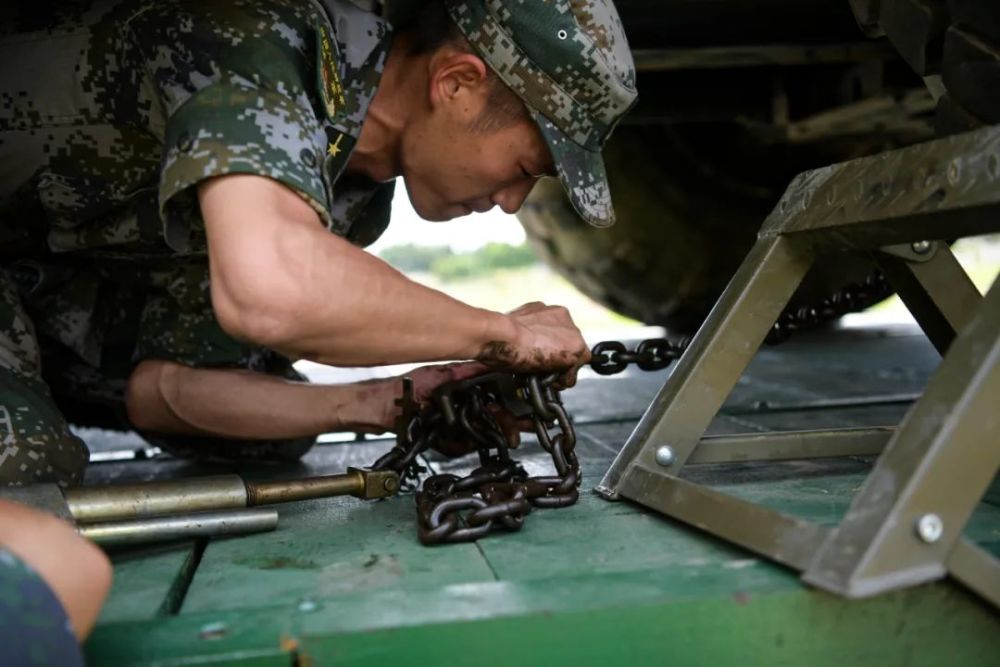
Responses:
[921,247]
[665,456]
[929,528]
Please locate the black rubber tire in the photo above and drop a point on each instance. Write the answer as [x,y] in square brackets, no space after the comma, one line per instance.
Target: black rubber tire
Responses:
[684,223]
[958,39]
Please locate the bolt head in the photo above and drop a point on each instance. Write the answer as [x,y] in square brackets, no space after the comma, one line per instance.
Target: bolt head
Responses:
[211,631]
[930,527]
[389,484]
[665,456]
[921,247]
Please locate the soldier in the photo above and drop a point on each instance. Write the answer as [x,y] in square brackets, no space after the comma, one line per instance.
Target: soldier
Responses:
[185,188]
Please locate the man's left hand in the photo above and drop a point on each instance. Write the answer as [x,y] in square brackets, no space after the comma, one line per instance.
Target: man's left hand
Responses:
[426,380]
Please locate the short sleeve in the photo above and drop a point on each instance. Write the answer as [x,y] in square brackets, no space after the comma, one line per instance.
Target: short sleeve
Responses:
[229,128]
[234,82]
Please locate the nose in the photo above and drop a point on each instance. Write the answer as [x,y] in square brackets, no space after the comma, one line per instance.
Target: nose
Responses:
[510,198]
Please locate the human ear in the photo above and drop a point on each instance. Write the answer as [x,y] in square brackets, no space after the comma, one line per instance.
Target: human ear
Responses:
[458,82]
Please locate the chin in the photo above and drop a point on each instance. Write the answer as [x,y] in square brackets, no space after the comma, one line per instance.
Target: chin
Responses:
[431,208]
[440,213]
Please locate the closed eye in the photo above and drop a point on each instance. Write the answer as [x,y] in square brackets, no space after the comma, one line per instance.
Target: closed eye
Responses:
[541,174]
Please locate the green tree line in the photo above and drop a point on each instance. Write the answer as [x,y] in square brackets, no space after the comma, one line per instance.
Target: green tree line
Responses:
[447,265]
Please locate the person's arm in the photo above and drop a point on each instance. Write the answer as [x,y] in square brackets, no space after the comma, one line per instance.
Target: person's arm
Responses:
[167,397]
[74,568]
[281,280]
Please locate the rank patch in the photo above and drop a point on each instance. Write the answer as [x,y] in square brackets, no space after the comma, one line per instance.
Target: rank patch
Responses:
[330,87]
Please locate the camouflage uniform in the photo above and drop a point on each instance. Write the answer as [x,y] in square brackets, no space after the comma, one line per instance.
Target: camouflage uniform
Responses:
[111,112]
[33,623]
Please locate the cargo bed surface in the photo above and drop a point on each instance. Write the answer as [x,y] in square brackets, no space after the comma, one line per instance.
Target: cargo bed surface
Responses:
[344,581]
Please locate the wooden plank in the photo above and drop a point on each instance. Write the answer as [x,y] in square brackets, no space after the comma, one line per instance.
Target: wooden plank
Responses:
[326,548]
[935,625]
[248,638]
[148,584]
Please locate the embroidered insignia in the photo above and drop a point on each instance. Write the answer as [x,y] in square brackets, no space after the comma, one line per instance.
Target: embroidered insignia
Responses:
[330,86]
[334,148]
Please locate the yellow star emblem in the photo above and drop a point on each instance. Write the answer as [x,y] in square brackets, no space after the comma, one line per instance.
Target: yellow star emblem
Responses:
[334,148]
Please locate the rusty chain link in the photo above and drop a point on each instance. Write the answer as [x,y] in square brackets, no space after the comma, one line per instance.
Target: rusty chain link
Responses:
[612,357]
[499,494]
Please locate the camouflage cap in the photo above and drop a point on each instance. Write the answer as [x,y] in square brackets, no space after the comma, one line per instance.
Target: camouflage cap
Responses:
[571,64]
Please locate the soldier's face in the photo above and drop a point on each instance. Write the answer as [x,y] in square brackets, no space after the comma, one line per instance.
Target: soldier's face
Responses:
[452,167]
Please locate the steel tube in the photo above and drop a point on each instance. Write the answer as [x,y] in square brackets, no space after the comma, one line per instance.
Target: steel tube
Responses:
[268,493]
[150,499]
[791,445]
[163,529]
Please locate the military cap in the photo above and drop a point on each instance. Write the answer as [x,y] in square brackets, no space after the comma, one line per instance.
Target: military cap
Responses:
[571,64]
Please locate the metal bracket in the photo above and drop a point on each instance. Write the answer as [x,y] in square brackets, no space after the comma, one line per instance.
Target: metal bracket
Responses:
[904,526]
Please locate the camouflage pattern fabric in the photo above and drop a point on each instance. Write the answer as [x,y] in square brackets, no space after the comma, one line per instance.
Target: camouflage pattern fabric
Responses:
[571,64]
[111,112]
[35,442]
[33,624]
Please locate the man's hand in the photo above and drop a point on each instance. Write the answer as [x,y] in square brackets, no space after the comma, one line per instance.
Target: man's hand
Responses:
[546,339]
[426,380]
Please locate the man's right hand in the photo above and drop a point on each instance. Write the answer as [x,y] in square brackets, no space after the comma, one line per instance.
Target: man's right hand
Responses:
[546,339]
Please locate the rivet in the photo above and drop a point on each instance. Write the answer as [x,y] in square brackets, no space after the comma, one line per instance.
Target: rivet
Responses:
[807,197]
[389,484]
[212,631]
[665,456]
[930,527]
[954,172]
[562,34]
[921,247]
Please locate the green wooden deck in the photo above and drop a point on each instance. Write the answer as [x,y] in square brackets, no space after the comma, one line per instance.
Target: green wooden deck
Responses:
[345,582]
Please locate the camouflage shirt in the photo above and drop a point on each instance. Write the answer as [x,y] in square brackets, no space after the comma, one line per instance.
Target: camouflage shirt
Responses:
[113,110]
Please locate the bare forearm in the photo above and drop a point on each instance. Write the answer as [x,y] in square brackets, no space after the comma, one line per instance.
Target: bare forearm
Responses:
[313,295]
[366,313]
[170,398]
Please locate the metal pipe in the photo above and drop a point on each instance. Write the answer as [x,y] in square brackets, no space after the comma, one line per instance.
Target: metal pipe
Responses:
[163,529]
[268,493]
[225,492]
[150,499]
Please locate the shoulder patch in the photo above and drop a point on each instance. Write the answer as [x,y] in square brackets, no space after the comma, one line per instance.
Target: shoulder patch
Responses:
[327,73]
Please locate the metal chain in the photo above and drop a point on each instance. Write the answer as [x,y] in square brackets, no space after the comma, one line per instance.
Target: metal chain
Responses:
[499,493]
[612,357]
